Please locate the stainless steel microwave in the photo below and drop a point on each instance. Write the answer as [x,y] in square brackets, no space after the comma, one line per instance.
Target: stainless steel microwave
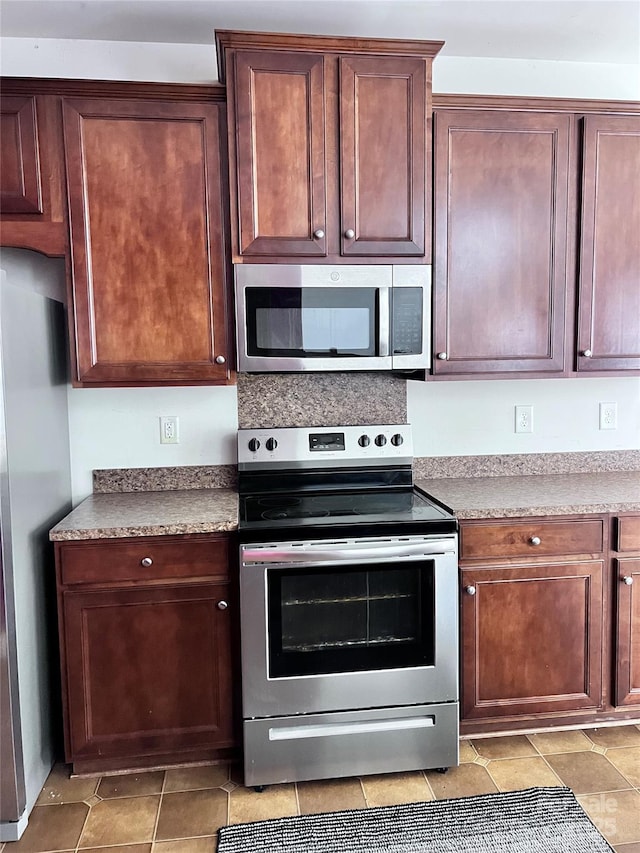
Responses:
[320,317]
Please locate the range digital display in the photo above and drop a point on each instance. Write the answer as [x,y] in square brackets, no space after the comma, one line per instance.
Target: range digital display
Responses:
[319,441]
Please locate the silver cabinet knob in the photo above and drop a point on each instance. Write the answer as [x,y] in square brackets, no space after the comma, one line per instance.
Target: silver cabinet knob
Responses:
[318,234]
[470,590]
[222,605]
[535,540]
[220,359]
[146,562]
[627,579]
[349,233]
[443,356]
[587,353]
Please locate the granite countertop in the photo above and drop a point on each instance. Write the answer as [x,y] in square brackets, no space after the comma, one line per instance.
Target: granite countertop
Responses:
[178,511]
[538,494]
[116,515]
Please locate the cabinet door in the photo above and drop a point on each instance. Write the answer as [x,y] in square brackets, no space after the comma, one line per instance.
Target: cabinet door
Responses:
[609,295]
[532,639]
[279,146]
[32,209]
[147,210]
[20,167]
[501,195]
[628,632]
[384,154]
[147,671]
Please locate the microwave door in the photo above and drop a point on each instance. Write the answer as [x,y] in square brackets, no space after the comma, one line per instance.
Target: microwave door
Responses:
[313,326]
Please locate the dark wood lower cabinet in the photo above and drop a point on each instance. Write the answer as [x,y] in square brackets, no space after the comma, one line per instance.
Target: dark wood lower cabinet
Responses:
[532,638]
[147,666]
[626,574]
[550,622]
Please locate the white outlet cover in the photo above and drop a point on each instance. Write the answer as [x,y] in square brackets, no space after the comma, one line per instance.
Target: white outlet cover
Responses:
[608,416]
[524,418]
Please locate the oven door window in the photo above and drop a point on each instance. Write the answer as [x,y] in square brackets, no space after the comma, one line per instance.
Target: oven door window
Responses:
[311,322]
[324,620]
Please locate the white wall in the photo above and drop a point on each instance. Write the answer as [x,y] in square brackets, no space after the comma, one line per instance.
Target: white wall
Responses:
[473,418]
[119,427]
[196,63]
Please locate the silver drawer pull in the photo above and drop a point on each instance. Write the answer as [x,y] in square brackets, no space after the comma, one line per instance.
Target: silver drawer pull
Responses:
[302,732]
[470,590]
[628,580]
[146,562]
[535,540]
[222,605]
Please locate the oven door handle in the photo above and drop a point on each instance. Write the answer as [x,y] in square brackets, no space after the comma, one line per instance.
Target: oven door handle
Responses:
[352,555]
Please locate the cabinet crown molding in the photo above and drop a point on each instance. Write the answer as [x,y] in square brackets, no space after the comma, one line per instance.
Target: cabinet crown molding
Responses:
[236,39]
[64,87]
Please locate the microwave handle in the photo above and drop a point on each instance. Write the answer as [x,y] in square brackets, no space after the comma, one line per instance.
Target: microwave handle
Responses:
[384,324]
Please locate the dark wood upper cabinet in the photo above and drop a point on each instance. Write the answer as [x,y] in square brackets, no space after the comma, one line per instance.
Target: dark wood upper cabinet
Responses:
[281,196]
[609,278]
[501,184]
[147,212]
[32,211]
[383,143]
[21,190]
[329,146]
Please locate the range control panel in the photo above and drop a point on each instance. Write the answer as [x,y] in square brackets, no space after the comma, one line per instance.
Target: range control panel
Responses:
[344,445]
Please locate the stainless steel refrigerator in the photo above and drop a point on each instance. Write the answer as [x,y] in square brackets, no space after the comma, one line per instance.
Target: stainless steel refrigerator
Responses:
[34,494]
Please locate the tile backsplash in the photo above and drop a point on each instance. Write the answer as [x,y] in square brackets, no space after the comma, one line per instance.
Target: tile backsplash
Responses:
[320,399]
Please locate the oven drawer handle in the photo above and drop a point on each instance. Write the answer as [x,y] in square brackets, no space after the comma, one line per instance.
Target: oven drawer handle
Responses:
[366,727]
[299,555]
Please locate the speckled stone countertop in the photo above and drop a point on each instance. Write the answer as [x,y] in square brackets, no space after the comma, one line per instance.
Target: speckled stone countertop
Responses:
[112,516]
[550,494]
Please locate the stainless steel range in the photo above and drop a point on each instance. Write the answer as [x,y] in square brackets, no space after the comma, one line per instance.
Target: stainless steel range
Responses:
[349,607]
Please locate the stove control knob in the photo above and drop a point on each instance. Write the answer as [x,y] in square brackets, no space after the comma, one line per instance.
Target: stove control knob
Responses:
[397,440]
[254,444]
[271,444]
[364,441]
[381,440]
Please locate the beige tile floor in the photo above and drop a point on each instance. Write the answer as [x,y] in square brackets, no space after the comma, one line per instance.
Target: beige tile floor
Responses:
[180,811]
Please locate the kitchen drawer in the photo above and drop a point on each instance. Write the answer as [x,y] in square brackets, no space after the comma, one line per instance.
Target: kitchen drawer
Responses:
[628,533]
[127,560]
[530,538]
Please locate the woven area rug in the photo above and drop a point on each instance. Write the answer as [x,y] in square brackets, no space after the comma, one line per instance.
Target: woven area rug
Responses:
[538,820]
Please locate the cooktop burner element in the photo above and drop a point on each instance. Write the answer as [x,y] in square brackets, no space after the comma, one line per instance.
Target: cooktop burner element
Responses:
[336,477]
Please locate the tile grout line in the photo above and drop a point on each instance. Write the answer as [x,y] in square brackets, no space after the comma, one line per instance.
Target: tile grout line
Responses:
[86,820]
[157,820]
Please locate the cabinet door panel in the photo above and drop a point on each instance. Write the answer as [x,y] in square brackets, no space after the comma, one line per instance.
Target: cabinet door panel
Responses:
[628,632]
[148,670]
[279,144]
[383,155]
[501,196]
[19,157]
[609,310]
[145,194]
[532,639]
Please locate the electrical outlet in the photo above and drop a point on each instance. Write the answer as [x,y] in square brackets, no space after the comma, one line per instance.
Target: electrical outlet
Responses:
[524,419]
[169,430]
[608,416]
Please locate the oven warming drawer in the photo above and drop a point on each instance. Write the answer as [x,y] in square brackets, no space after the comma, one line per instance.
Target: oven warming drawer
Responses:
[324,746]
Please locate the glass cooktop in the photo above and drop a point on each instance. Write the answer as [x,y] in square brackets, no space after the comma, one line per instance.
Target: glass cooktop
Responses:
[334,508]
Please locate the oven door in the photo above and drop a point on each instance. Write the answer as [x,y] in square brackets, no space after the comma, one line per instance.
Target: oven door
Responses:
[344,624]
[297,318]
